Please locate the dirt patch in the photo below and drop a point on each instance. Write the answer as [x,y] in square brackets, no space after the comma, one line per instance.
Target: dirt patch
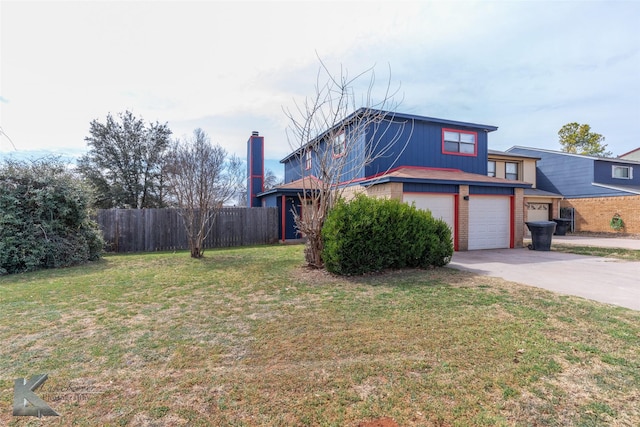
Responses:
[380,422]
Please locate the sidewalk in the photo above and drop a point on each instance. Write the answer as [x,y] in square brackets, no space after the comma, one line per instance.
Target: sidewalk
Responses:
[607,280]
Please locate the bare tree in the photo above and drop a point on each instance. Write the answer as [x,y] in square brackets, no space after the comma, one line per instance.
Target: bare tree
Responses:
[201,177]
[335,134]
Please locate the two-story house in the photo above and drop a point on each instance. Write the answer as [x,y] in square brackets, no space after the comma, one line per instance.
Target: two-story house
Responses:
[539,205]
[437,164]
[595,188]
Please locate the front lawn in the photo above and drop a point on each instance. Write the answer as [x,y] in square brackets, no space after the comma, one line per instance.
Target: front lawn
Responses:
[619,253]
[250,337]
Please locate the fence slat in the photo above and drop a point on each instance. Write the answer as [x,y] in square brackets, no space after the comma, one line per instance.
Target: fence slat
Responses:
[149,230]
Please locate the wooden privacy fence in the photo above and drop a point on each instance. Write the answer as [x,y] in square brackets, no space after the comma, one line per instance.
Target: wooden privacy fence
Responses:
[149,230]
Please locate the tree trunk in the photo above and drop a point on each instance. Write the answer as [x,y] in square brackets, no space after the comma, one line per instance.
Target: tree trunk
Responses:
[313,253]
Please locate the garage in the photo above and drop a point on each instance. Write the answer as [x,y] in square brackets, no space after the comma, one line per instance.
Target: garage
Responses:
[489,222]
[440,205]
[537,212]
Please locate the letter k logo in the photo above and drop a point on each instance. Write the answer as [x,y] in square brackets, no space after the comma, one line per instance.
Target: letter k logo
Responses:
[26,403]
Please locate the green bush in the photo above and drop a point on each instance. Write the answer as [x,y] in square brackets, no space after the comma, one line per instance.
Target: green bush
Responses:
[368,235]
[44,219]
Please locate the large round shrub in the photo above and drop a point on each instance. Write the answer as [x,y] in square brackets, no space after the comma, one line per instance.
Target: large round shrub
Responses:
[369,234]
[44,220]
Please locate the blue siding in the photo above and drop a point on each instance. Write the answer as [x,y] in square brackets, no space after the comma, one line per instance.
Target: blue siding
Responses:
[270,201]
[569,175]
[558,173]
[603,173]
[293,166]
[417,143]
[292,170]
[411,187]
[424,148]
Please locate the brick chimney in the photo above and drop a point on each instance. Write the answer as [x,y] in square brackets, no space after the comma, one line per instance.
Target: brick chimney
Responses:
[255,169]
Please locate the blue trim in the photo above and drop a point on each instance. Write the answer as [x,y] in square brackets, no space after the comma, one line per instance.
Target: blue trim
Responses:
[385,180]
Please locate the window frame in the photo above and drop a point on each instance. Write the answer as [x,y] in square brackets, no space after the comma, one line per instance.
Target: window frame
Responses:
[622,167]
[339,140]
[459,142]
[506,173]
[308,160]
[489,162]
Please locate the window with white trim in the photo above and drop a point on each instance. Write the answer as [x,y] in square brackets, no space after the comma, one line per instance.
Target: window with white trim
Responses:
[491,168]
[339,144]
[622,172]
[459,142]
[511,171]
[307,160]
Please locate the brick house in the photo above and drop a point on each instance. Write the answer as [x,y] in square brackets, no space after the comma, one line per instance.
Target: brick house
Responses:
[596,188]
[437,164]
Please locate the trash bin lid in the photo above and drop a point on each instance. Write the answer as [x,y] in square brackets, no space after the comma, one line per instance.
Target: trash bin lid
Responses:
[561,219]
[540,224]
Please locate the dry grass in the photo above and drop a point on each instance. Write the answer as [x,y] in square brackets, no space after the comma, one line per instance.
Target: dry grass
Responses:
[619,253]
[249,337]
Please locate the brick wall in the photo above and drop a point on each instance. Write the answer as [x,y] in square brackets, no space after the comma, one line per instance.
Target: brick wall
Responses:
[594,214]
[463,218]
[518,226]
[391,190]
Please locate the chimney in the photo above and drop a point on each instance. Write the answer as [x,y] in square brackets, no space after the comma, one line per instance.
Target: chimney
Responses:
[255,169]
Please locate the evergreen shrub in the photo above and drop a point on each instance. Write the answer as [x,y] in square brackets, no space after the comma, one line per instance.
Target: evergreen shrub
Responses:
[44,218]
[368,234]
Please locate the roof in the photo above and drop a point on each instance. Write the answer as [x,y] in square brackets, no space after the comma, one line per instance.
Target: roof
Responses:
[505,154]
[306,183]
[447,176]
[408,174]
[536,192]
[583,156]
[630,152]
[632,189]
[392,116]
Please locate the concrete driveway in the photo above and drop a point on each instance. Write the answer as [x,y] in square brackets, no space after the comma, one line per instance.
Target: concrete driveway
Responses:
[606,280]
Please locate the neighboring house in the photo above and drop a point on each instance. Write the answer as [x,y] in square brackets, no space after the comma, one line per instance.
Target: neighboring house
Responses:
[437,164]
[539,205]
[631,155]
[597,188]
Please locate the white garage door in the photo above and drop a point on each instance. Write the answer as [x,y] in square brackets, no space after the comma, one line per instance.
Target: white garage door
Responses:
[440,205]
[536,212]
[489,222]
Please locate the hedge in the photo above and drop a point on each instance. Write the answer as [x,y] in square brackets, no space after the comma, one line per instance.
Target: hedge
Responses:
[44,219]
[368,235]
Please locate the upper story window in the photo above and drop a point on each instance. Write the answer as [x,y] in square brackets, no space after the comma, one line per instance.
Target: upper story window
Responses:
[307,160]
[622,172]
[511,171]
[491,168]
[339,145]
[459,142]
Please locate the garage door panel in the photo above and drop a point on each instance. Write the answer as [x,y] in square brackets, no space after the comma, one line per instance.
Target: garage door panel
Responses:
[489,222]
[440,205]
[537,212]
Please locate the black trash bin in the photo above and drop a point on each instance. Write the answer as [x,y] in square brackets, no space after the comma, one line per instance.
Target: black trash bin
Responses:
[562,226]
[541,232]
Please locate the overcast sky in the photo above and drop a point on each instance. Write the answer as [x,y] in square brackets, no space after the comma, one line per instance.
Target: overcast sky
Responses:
[527,67]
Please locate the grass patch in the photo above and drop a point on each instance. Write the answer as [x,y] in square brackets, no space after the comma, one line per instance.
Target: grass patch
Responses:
[619,253]
[250,337]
